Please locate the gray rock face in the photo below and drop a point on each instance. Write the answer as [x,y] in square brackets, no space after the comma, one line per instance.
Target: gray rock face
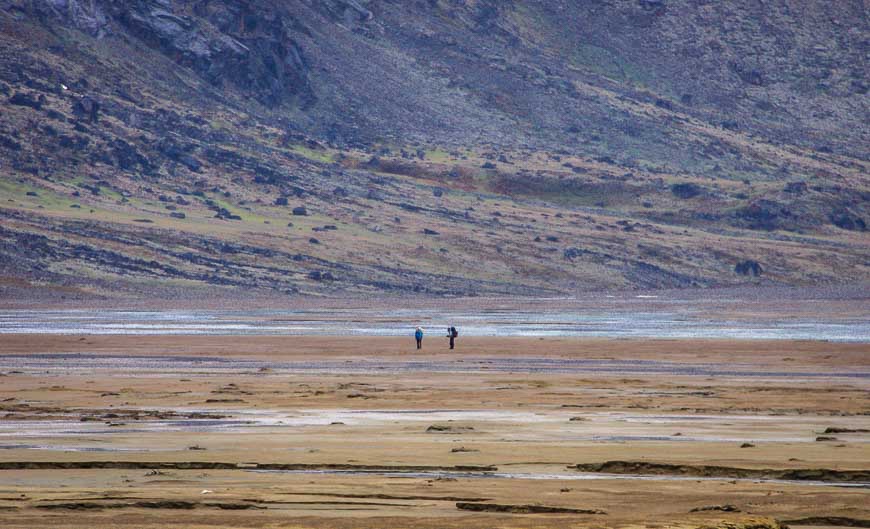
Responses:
[239,42]
[234,42]
[86,15]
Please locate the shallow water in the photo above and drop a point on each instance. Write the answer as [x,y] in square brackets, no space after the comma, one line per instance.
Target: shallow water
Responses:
[491,425]
[191,366]
[577,476]
[669,323]
[67,448]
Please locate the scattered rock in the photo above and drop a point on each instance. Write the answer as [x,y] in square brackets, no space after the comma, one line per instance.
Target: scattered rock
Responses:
[722,508]
[447,428]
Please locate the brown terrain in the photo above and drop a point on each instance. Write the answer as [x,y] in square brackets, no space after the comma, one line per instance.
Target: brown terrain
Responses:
[159,148]
[279,441]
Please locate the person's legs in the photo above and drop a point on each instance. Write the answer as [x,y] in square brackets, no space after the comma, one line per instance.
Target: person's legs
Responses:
[419,343]
[451,342]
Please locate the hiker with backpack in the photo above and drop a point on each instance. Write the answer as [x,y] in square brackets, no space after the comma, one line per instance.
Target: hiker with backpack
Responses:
[452,333]
[418,335]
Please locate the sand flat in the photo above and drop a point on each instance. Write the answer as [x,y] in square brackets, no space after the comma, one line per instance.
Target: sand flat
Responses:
[367,432]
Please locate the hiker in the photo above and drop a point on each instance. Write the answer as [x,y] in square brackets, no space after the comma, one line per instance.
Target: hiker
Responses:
[452,333]
[418,334]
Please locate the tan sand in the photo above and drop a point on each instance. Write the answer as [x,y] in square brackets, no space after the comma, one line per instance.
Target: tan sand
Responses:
[778,396]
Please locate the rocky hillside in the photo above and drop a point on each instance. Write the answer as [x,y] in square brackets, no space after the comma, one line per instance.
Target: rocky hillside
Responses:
[445,147]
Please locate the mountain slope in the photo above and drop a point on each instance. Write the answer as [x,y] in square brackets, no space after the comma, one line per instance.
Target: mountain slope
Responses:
[440,147]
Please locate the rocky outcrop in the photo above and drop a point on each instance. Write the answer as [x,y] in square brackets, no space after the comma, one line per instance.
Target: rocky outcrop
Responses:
[247,44]
[88,16]
[252,48]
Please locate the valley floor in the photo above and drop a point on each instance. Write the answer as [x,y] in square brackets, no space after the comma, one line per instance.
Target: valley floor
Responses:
[270,431]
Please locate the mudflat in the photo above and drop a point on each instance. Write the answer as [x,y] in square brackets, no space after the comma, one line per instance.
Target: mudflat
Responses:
[269,431]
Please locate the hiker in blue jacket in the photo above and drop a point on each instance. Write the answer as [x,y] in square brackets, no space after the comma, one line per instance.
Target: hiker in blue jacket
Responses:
[419,336]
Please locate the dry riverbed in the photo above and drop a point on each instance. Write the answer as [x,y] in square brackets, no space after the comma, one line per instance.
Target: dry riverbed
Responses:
[267,431]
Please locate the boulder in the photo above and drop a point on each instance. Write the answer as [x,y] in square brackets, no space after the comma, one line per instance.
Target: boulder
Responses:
[686,190]
[571,253]
[766,214]
[27,100]
[317,275]
[9,143]
[797,188]
[848,221]
[748,267]
[87,108]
